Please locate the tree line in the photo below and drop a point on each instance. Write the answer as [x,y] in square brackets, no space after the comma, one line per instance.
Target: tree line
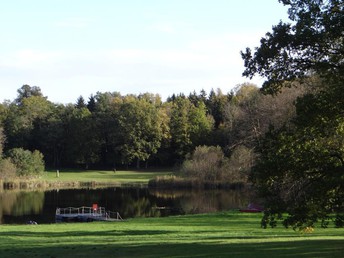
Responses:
[110,130]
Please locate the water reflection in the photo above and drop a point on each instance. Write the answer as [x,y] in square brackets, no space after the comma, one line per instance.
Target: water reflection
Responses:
[191,202]
[20,204]
[19,207]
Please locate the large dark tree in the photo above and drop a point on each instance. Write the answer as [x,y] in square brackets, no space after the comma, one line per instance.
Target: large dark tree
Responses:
[27,91]
[300,169]
[312,43]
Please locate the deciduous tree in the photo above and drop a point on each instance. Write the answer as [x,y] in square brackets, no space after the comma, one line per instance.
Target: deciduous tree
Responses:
[312,43]
[300,169]
[140,127]
[26,91]
[27,163]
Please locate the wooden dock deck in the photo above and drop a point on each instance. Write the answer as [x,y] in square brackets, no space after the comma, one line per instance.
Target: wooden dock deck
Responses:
[85,214]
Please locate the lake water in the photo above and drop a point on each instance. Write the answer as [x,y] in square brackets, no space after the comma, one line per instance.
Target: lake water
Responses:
[18,207]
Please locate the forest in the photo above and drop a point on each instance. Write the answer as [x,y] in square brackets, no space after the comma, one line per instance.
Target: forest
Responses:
[113,131]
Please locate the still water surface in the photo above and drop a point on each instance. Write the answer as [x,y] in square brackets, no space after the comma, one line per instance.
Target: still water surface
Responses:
[20,207]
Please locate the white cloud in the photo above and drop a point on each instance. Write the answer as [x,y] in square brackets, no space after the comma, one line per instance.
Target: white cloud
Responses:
[202,64]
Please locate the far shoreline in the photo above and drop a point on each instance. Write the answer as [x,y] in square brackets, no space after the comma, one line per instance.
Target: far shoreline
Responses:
[44,185]
[156,179]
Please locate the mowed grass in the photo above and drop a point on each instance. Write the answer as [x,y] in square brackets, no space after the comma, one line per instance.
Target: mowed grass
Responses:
[228,234]
[139,176]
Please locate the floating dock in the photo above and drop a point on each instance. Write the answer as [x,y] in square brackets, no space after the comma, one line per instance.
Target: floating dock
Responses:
[85,214]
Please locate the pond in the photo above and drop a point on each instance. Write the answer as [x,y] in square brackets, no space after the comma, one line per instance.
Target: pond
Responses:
[19,207]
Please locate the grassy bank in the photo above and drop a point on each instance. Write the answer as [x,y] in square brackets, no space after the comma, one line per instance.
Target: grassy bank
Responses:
[228,234]
[124,176]
[65,179]
[177,182]
[82,178]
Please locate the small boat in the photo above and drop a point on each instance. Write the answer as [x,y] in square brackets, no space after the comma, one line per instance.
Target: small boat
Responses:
[252,208]
[85,214]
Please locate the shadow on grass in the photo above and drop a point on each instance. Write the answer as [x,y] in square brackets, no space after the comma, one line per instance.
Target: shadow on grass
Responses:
[138,234]
[304,248]
[76,234]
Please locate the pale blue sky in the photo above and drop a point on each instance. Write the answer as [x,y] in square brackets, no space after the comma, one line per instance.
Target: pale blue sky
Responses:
[71,47]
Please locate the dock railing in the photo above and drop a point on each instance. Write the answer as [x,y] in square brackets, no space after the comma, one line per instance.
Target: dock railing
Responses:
[89,211]
[114,215]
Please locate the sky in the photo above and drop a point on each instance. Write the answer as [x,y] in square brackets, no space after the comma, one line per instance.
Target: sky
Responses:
[72,48]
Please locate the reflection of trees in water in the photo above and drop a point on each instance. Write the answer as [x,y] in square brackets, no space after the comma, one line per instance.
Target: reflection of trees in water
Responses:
[143,202]
[7,200]
[202,201]
[20,203]
[129,202]
[28,203]
[141,207]
[167,193]
[136,202]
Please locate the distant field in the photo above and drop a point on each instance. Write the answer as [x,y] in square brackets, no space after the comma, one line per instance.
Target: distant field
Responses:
[139,176]
[229,234]
[84,178]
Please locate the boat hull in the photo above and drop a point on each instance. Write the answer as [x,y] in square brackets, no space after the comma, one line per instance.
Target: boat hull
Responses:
[250,210]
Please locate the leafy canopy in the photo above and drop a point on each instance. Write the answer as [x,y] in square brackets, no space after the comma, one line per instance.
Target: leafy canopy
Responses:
[300,169]
[27,163]
[312,43]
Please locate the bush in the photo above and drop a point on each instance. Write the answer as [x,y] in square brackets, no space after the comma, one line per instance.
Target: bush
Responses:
[241,161]
[27,163]
[207,163]
[7,169]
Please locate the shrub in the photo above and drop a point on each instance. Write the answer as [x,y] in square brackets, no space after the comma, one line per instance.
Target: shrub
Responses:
[2,139]
[27,163]
[241,161]
[7,169]
[207,163]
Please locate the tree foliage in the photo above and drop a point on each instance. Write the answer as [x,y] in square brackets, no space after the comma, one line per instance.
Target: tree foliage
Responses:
[300,171]
[313,43]
[300,166]
[26,91]
[7,169]
[2,140]
[27,163]
[189,126]
[250,114]
[140,125]
[112,130]
[207,163]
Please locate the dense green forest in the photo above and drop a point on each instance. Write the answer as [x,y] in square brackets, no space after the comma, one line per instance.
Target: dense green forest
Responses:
[110,130]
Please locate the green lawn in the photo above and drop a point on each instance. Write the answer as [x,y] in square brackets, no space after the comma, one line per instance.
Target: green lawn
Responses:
[230,234]
[139,176]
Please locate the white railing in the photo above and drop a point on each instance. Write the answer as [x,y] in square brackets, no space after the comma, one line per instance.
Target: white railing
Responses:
[89,211]
[81,210]
[113,215]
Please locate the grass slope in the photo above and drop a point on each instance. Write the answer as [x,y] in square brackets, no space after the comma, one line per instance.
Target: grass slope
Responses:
[83,178]
[229,234]
[139,176]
